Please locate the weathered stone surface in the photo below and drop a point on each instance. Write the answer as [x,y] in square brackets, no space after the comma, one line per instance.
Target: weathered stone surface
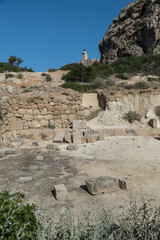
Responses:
[33,167]
[72,147]
[77,137]
[79,124]
[39,158]
[17,142]
[61,193]
[101,185]
[92,139]
[10,89]
[16,125]
[59,137]
[24,179]
[133,33]
[52,147]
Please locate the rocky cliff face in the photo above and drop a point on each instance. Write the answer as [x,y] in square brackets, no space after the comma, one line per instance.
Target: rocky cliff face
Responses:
[134,32]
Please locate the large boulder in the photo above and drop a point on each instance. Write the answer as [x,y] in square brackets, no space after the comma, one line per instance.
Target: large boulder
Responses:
[101,185]
[134,32]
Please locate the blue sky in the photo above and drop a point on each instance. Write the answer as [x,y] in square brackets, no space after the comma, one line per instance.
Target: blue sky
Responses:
[52,33]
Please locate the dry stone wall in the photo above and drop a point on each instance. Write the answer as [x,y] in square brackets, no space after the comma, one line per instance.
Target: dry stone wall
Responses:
[38,111]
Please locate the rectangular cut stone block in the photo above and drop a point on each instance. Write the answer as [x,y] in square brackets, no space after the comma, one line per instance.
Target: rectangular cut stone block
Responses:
[101,185]
[108,132]
[61,193]
[16,125]
[59,137]
[79,124]
[120,132]
[35,134]
[91,139]
[77,137]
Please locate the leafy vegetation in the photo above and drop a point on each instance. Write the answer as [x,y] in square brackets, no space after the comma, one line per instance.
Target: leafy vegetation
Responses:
[78,87]
[21,222]
[9,75]
[132,116]
[68,66]
[138,222]
[123,67]
[47,77]
[157,111]
[52,70]
[17,221]
[6,67]
[138,85]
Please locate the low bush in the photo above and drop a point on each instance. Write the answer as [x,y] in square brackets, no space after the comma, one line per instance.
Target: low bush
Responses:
[20,76]
[52,70]
[5,67]
[141,85]
[78,87]
[124,76]
[9,75]
[17,221]
[157,111]
[137,223]
[68,66]
[110,82]
[47,77]
[138,85]
[99,83]
[132,116]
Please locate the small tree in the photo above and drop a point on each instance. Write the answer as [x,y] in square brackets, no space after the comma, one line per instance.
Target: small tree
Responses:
[14,61]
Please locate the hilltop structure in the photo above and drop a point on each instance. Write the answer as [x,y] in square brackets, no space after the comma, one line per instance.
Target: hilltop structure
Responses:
[87,62]
[136,31]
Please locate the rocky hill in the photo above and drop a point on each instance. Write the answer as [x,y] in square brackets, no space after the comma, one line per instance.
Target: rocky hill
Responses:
[134,32]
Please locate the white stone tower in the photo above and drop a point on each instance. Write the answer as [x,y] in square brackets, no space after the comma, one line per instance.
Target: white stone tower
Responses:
[84,55]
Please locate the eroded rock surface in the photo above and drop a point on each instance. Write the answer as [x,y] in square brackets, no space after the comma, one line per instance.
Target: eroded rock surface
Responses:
[134,32]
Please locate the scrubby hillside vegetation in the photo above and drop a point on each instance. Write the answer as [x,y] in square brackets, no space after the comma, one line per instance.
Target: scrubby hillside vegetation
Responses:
[82,78]
[13,65]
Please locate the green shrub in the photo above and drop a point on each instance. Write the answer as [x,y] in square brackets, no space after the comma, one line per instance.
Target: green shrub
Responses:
[26,90]
[110,82]
[157,111]
[132,116]
[17,221]
[141,85]
[52,70]
[20,76]
[138,85]
[151,79]
[99,83]
[137,223]
[68,66]
[124,76]
[47,77]
[78,87]
[9,75]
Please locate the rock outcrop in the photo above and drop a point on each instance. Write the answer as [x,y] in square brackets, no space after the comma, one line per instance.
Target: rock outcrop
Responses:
[134,32]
